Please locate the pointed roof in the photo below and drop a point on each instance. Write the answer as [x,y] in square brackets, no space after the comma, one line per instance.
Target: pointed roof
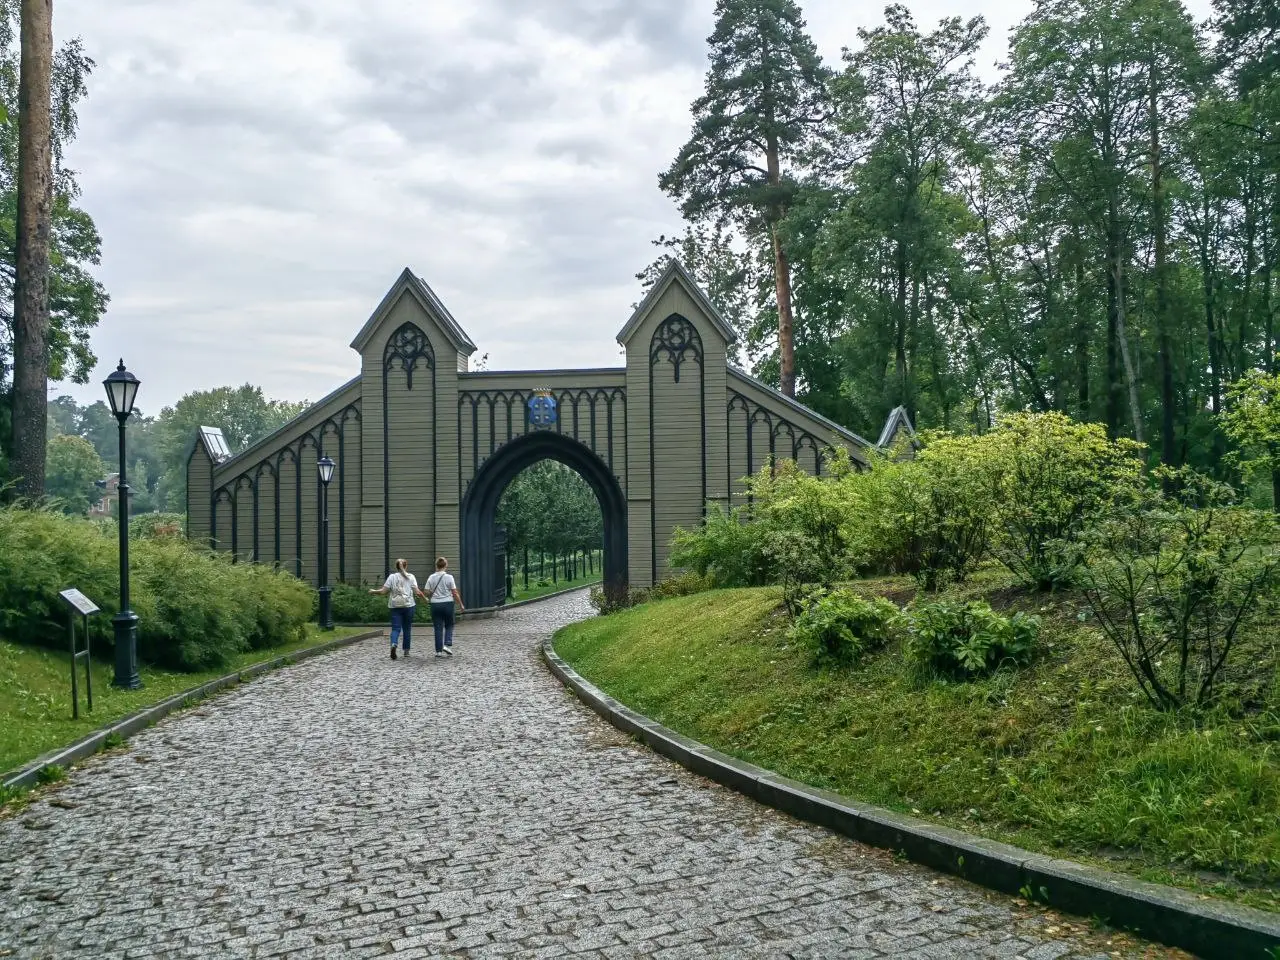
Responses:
[676,273]
[898,420]
[416,287]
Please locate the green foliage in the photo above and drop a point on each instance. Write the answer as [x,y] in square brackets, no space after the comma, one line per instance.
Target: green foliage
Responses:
[150,526]
[727,549]
[928,516]
[76,300]
[965,640]
[72,467]
[1052,478]
[549,509]
[1252,422]
[840,626]
[355,604]
[764,96]
[50,773]
[606,599]
[196,608]
[1173,581]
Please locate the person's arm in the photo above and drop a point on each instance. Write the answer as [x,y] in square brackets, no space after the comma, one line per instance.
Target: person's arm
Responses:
[457,598]
[382,589]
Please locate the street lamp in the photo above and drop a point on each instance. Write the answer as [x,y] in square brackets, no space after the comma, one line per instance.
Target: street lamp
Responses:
[122,390]
[325,465]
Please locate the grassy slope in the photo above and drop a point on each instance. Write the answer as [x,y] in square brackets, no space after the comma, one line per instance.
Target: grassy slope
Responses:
[35,694]
[1060,757]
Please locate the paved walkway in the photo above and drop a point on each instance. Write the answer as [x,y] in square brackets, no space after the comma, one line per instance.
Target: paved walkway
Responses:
[355,807]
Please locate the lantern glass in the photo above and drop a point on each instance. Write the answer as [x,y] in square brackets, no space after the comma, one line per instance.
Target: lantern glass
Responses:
[122,390]
[325,465]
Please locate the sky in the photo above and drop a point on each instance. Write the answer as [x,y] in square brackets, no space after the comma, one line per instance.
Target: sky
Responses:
[262,170]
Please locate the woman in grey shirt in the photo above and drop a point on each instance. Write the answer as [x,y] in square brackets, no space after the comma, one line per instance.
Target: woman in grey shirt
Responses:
[443,592]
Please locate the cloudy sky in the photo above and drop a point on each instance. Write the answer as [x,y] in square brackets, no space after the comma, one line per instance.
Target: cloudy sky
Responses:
[261,171]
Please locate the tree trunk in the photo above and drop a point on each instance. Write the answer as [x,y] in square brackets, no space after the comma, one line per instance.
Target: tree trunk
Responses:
[1082,340]
[900,312]
[31,290]
[1113,385]
[786,337]
[782,278]
[1168,446]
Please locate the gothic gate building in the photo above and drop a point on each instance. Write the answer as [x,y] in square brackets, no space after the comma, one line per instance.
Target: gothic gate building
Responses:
[425,447]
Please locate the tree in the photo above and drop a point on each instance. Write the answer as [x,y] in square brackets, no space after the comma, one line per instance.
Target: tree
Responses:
[765,102]
[73,467]
[35,199]
[907,103]
[76,301]
[243,413]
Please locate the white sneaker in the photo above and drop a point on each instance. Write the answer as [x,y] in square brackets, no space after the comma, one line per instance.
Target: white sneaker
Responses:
[448,651]
[439,654]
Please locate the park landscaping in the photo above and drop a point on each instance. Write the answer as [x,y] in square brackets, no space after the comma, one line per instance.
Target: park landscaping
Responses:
[1023,634]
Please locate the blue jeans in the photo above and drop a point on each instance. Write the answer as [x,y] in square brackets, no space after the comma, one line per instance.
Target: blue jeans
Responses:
[401,622]
[442,621]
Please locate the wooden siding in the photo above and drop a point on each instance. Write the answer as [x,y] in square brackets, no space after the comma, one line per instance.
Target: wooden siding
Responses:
[267,498]
[199,492]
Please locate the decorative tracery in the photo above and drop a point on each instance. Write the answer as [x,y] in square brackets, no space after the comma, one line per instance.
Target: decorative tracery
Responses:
[407,346]
[675,340]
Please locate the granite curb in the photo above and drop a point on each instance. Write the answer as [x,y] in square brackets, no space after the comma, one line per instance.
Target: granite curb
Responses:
[28,774]
[1211,929]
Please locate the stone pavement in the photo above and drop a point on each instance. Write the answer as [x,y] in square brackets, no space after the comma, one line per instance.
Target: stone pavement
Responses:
[355,807]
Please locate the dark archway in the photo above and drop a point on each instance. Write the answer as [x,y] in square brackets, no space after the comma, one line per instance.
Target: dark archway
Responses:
[478,516]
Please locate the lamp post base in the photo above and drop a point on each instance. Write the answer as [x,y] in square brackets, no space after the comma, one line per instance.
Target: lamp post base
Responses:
[326,608]
[125,626]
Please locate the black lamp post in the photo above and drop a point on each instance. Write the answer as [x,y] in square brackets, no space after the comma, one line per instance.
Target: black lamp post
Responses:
[325,465]
[122,390]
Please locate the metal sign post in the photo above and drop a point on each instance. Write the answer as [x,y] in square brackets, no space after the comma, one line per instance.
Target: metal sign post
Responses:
[83,606]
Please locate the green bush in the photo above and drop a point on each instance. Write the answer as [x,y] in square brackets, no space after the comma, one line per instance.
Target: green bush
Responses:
[151,526]
[726,548]
[928,517]
[1052,480]
[965,640]
[196,608]
[1174,581]
[841,627]
[607,600]
[352,604]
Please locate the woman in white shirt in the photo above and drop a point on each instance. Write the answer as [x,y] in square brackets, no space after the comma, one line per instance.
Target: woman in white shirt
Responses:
[444,593]
[403,587]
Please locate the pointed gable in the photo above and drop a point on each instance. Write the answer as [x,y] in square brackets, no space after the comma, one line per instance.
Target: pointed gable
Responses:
[675,273]
[897,423]
[411,285]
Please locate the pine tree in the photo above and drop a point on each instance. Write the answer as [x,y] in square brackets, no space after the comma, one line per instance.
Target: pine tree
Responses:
[764,104]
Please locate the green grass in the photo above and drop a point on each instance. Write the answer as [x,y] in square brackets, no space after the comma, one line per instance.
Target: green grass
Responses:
[1060,757]
[35,694]
[534,591]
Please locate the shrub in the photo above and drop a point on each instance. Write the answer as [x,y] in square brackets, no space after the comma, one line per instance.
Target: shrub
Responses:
[966,640]
[681,585]
[355,604]
[196,609]
[726,549]
[1052,479]
[841,627]
[152,526]
[611,599]
[1172,582]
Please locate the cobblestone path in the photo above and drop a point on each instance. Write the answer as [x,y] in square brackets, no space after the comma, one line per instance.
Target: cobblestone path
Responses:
[355,807]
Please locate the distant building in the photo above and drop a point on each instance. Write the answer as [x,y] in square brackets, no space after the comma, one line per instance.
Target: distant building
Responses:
[106,507]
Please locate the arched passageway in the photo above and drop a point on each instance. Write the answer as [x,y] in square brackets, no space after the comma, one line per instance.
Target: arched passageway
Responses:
[478,515]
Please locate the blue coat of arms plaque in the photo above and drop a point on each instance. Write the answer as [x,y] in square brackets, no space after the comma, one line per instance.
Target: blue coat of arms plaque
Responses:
[542,409]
